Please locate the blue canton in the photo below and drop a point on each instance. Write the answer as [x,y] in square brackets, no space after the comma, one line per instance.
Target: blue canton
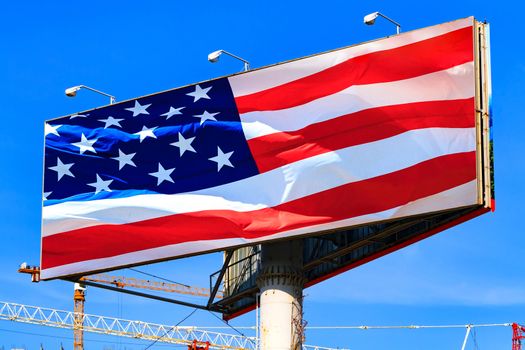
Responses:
[177,141]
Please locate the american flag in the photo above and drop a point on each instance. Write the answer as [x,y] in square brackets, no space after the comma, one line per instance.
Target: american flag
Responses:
[371,132]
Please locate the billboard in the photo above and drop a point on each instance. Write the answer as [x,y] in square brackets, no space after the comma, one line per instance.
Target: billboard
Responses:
[332,253]
[367,134]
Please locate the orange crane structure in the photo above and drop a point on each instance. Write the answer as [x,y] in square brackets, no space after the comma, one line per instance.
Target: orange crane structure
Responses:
[116,281]
[518,334]
[122,282]
[194,338]
[78,320]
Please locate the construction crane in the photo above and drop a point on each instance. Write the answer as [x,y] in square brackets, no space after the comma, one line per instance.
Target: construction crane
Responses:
[193,337]
[78,321]
[133,282]
[117,281]
[122,327]
[122,282]
[518,334]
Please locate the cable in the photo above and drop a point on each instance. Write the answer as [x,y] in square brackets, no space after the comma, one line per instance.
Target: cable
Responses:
[162,336]
[474,339]
[232,327]
[119,307]
[228,327]
[70,338]
[410,326]
[160,278]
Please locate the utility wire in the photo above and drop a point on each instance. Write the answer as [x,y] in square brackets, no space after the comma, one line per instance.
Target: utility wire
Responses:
[368,327]
[70,338]
[232,327]
[162,336]
[226,327]
[160,278]
[226,323]
[474,339]
[411,326]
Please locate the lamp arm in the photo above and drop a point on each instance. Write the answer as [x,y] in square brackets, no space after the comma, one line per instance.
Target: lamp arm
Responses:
[391,20]
[246,63]
[111,97]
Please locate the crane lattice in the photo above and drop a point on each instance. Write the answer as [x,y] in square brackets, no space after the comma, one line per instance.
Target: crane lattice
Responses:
[182,335]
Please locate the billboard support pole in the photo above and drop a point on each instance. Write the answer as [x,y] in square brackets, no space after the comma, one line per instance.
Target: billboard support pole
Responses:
[281,291]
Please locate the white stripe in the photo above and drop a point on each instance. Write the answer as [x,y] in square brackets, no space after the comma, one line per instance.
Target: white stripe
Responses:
[460,196]
[292,181]
[450,84]
[255,81]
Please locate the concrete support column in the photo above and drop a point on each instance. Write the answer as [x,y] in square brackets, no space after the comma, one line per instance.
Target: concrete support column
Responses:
[281,284]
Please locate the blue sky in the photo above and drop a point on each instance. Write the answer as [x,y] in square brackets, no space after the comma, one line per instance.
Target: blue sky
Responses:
[472,273]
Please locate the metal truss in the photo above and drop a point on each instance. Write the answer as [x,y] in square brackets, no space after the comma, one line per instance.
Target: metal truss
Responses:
[121,282]
[124,328]
[128,328]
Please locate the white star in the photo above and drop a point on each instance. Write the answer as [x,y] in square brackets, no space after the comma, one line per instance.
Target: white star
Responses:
[85,144]
[184,144]
[62,169]
[172,112]
[145,132]
[200,93]
[46,194]
[206,116]
[124,159]
[101,185]
[222,159]
[111,121]
[138,109]
[79,116]
[50,129]
[163,175]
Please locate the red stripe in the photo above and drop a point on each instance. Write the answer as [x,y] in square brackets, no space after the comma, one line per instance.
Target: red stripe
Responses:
[375,195]
[423,57]
[275,150]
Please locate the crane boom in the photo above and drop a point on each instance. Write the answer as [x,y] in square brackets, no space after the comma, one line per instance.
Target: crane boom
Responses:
[120,281]
[191,336]
[124,328]
[125,282]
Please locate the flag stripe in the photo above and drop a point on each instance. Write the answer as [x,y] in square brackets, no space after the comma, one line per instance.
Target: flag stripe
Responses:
[376,194]
[453,198]
[451,84]
[269,77]
[431,55]
[291,182]
[278,149]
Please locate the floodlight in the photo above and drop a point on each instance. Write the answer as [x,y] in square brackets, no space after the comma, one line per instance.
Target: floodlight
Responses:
[214,57]
[72,92]
[370,19]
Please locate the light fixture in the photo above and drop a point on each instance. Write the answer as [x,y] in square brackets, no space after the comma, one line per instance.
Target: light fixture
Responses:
[371,18]
[214,57]
[72,92]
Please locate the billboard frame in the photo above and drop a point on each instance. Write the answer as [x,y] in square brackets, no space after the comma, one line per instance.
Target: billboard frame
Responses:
[73,276]
[484,171]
